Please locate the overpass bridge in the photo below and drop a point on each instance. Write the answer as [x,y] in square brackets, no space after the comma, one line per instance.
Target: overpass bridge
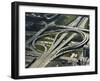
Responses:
[59,45]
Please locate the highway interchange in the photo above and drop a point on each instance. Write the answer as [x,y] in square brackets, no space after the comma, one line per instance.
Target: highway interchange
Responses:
[60,44]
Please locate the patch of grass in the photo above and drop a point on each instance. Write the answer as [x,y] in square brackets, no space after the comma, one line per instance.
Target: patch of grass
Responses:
[87,25]
[65,20]
[70,19]
[40,48]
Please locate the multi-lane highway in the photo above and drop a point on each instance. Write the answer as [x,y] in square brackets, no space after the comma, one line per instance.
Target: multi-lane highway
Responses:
[60,45]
